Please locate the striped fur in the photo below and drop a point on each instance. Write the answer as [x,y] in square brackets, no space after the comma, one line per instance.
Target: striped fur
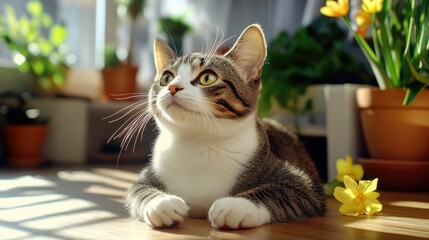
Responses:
[213,156]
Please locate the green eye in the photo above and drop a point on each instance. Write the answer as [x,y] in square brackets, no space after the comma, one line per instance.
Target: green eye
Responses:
[208,78]
[166,79]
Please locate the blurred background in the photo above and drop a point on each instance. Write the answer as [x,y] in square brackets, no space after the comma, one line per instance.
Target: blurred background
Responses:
[57,58]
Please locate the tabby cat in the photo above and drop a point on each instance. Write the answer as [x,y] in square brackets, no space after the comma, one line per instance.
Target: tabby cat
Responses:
[213,157]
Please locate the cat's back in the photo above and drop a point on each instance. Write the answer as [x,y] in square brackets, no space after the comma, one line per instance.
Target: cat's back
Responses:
[286,146]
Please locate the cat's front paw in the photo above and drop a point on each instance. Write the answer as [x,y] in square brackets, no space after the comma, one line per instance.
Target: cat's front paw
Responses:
[234,213]
[165,211]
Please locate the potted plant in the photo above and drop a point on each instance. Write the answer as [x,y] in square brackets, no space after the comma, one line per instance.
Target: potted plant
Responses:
[119,76]
[315,54]
[24,130]
[394,116]
[43,57]
[399,60]
[175,28]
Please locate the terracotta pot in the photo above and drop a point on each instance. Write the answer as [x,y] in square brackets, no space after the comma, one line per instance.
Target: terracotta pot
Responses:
[397,175]
[119,80]
[393,131]
[25,144]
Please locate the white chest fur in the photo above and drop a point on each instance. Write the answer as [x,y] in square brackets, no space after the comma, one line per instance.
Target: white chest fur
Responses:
[201,170]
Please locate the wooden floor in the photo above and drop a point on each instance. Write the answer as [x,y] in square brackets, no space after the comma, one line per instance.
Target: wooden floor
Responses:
[85,203]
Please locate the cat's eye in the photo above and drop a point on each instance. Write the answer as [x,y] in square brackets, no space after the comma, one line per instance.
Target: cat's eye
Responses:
[166,79]
[207,78]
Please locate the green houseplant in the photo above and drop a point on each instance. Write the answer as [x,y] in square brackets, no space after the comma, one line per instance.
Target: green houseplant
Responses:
[175,28]
[315,54]
[23,129]
[119,75]
[44,57]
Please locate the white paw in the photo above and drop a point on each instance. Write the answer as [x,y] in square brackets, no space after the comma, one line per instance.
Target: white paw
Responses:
[234,213]
[165,211]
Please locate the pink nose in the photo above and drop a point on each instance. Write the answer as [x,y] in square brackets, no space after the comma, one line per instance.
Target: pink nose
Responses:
[174,88]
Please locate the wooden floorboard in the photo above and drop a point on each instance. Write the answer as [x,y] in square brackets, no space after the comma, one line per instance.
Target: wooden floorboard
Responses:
[85,203]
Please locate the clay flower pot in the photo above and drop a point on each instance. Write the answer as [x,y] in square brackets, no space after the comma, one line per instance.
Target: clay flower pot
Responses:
[397,138]
[119,80]
[393,131]
[25,144]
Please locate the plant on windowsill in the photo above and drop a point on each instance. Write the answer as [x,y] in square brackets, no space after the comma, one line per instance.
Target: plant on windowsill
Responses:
[119,75]
[394,116]
[24,130]
[43,57]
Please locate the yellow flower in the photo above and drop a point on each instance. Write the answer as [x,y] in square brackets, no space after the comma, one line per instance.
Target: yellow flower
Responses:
[334,8]
[346,167]
[372,6]
[358,199]
[363,22]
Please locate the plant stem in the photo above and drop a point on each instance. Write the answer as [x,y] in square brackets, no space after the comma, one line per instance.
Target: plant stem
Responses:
[386,42]
[379,72]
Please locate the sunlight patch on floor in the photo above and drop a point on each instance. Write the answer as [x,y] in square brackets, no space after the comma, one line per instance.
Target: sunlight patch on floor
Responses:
[22,201]
[61,203]
[117,173]
[24,181]
[394,225]
[79,176]
[106,191]
[411,204]
[71,220]
[10,233]
[44,210]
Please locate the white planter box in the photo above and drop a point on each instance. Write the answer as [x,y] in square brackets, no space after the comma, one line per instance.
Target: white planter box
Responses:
[68,128]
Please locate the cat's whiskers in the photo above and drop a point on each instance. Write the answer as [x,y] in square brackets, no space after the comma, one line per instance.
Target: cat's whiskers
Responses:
[211,51]
[134,126]
[213,118]
[127,96]
[205,116]
[216,45]
[126,126]
[141,125]
[130,108]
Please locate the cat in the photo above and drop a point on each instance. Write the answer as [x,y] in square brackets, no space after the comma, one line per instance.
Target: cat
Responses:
[213,157]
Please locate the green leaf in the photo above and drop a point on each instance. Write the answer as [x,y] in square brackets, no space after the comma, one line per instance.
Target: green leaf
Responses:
[38,66]
[58,79]
[24,67]
[416,74]
[58,34]
[46,20]
[45,46]
[11,20]
[24,27]
[412,91]
[35,8]
[330,186]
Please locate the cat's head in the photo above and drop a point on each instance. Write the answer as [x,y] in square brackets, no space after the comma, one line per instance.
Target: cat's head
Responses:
[199,90]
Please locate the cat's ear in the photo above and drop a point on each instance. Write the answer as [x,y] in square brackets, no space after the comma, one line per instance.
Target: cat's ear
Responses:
[163,54]
[249,52]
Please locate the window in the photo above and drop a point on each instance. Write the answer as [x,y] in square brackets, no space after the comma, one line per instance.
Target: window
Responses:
[80,18]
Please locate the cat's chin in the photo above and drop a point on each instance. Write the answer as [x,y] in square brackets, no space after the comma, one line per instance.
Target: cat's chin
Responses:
[177,113]
[176,107]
